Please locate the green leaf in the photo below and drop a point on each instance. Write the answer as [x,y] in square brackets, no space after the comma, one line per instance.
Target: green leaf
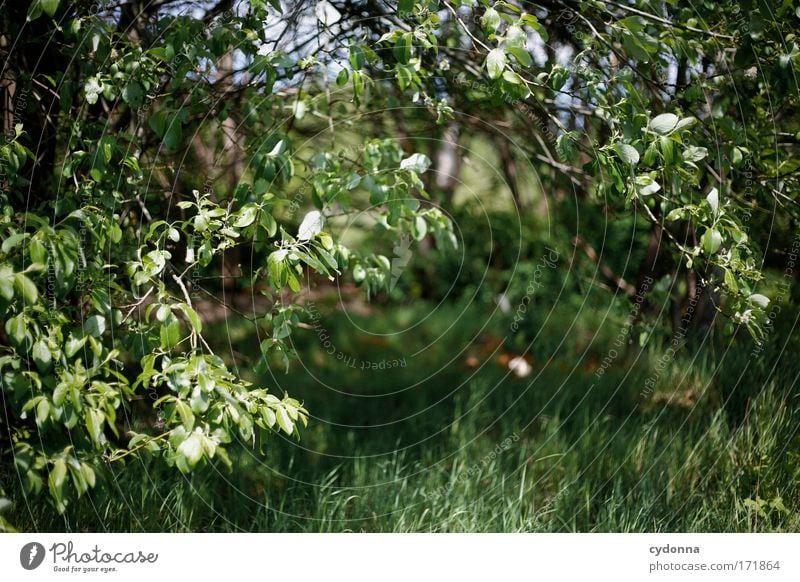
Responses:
[88,474]
[685,122]
[516,37]
[668,149]
[132,94]
[269,416]
[277,149]
[711,240]
[650,154]
[192,449]
[12,241]
[158,123]
[627,153]
[694,153]
[512,77]
[328,258]
[17,330]
[419,228]
[359,273]
[676,214]
[107,147]
[417,163]
[60,393]
[632,23]
[357,57]
[173,135]
[663,124]
[42,412]
[155,261]
[201,222]
[267,221]
[384,262]
[191,315]
[281,331]
[713,201]
[56,479]
[34,10]
[73,345]
[490,21]
[633,46]
[275,261]
[94,424]
[495,63]
[645,185]
[26,288]
[41,355]
[730,281]
[777,504]
[199,400]
[209,446]
[50,6]
[533,22]
[6,282]
[292,280]
[247,216]
[405,6]
[311,226]
[37,251]
[185,413]
[565,148]
[402,49]
[206,383]
[522,56]
[284,421]
[170,334]
[95,325]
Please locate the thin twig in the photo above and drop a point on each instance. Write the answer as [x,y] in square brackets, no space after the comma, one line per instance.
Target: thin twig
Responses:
[193,336]
[661,20]
[137,304]
[619,281]
[466,28]
[114,458]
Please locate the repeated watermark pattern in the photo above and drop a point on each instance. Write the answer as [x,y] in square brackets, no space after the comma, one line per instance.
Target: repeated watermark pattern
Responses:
[475,469]
[326,343]
[676,343]
[623,336]
[788,277]
[536,282]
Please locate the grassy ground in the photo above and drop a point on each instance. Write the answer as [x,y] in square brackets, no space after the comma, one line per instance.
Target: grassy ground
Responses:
[441,445]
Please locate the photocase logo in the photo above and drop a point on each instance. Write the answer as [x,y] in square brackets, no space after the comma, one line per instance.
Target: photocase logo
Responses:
[31,555]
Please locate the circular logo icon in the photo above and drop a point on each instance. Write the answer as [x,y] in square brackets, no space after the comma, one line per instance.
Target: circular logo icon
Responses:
[31,555]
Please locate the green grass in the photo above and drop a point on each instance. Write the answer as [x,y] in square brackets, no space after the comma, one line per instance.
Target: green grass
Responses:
[433,447]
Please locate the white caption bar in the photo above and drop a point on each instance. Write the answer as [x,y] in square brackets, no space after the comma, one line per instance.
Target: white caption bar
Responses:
[371,557]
